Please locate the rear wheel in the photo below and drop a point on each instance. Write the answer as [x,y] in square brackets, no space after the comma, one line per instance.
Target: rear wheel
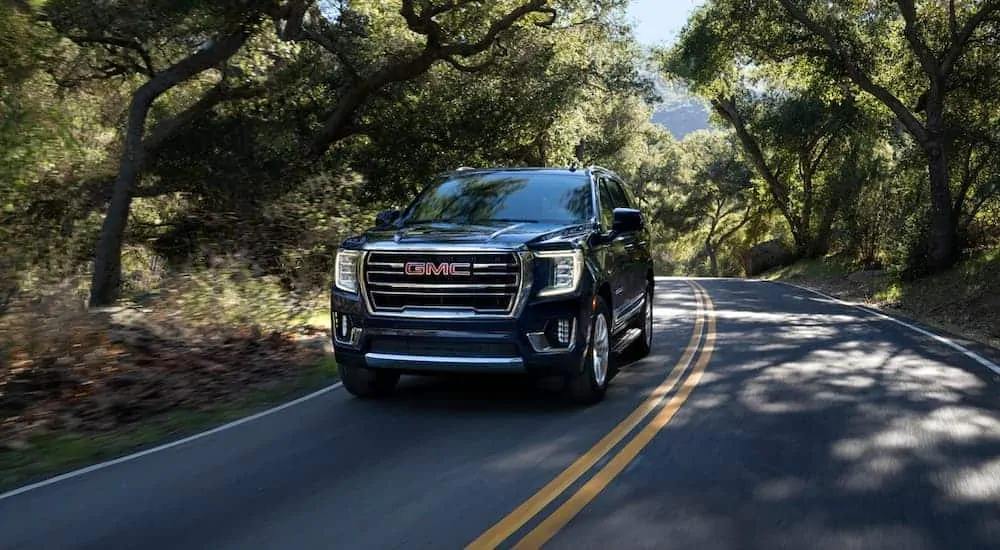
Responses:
[365,382]
[588,384]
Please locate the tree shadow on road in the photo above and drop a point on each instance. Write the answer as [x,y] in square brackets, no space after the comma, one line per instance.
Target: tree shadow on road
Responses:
[816,426]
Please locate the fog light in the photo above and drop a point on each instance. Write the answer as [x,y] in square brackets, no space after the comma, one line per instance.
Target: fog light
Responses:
[344,331]
[562,332]
[559,336]
[345,326]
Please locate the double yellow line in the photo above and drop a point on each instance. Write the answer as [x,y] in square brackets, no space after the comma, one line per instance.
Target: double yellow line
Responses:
[703,339]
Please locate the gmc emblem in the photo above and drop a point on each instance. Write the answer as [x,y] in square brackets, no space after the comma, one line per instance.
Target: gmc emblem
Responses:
[430,268]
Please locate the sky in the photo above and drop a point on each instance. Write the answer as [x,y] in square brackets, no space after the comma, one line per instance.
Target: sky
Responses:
[658,22]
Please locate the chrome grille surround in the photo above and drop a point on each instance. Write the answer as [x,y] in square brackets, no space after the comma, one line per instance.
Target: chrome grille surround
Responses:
[390,280]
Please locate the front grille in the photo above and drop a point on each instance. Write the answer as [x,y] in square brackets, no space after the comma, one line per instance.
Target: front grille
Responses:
[486,283]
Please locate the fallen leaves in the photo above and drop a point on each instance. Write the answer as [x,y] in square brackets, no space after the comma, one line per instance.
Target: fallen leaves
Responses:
[89,373]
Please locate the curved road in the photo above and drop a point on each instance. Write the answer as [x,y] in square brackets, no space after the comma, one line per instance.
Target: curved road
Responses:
[791,422]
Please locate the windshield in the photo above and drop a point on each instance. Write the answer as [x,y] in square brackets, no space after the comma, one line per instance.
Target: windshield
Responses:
[505,197]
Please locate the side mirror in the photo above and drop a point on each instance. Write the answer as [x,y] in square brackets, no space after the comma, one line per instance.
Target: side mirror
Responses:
[626,220]
[386,217]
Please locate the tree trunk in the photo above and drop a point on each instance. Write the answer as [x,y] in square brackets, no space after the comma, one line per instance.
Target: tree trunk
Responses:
[713,258]
[820,244]
[942,250]
[106,281]
[106,284]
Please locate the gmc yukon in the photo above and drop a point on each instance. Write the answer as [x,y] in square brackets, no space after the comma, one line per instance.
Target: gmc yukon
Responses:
[541,271]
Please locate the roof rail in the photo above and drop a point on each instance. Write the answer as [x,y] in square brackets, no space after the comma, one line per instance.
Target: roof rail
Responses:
[464,168]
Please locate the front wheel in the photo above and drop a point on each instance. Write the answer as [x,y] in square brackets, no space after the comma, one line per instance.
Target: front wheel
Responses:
[365,382]
[588,384]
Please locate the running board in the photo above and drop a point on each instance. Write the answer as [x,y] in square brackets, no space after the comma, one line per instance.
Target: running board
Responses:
[626,340]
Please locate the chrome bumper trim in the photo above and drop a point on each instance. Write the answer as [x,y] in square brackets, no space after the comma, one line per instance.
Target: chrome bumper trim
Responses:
[435,362]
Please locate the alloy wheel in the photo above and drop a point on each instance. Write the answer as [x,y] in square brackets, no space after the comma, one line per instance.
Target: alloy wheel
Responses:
[601,348]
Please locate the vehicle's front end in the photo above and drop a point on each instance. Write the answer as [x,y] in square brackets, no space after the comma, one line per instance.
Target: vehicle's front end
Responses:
[489,271]
[446,309]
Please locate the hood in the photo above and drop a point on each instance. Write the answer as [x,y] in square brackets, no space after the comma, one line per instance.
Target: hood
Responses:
[509,235]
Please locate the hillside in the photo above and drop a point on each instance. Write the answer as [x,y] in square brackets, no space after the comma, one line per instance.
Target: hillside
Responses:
[680,111]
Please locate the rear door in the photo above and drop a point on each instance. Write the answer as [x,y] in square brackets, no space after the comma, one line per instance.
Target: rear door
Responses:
[633,244]
[618,263]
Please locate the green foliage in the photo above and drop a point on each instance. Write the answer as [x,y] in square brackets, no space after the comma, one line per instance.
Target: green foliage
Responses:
[235,166]
[813,158]
[825,98]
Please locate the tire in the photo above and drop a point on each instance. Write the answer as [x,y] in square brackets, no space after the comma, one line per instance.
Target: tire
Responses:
[588,384]
[367,383]
[644,344]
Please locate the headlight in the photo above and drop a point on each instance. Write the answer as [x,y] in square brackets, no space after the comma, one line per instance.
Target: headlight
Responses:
[345,270]
[564,271]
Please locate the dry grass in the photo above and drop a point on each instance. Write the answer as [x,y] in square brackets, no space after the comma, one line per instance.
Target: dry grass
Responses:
[202,343]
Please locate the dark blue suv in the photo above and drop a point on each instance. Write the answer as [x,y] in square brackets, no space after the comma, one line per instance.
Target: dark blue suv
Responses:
[541,271]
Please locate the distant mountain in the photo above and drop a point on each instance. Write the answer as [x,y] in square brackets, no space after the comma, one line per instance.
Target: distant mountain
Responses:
[682,119]
[680,112]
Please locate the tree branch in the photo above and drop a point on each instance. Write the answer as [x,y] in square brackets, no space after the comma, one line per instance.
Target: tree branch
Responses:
[926,57]
[326,44]
[970,174]
[478,68]
[338,122]
[839,53]
[779,192]
[961,40]
[747,216]
[149,69]
[168,128]
[499,26]
[952,20]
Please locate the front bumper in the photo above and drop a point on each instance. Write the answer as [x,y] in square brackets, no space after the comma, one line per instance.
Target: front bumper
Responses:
[525,344]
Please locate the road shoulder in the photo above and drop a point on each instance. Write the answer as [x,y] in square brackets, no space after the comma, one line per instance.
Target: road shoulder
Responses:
[47,457]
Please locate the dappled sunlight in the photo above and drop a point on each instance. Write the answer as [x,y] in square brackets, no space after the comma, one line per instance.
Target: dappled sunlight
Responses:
[814,535]
[686,527]
[548,455]
[827,428]
[673,305]
[944,375]
[774,347]
[780,489]
[962,424]
[788,319]
[978,483]
[924,438]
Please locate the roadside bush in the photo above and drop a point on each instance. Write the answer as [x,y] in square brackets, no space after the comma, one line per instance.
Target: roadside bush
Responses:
[909,257]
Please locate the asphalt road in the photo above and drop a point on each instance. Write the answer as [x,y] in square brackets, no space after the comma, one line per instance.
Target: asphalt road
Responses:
[793,422]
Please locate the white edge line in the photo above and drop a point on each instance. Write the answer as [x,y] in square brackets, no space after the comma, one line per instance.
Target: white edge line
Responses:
[946,341]
[165,446]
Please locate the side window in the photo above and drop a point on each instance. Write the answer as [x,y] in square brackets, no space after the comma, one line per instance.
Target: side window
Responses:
[618,195]
[607,203]
[630,195]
